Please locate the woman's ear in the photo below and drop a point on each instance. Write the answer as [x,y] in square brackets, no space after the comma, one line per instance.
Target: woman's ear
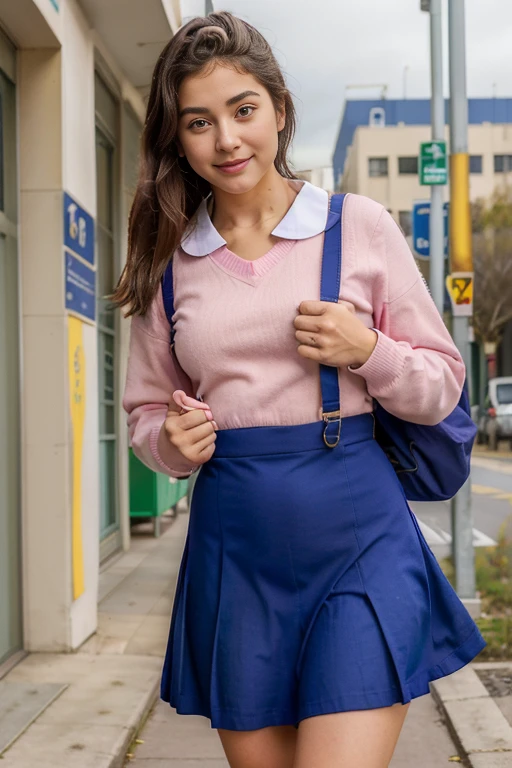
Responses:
[281,119]
[179,148]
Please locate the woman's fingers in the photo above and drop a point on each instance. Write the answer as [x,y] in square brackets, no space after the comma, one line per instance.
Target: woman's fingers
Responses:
[188,403]
[194,419]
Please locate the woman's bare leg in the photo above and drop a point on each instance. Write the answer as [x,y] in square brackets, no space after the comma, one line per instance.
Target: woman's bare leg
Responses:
[357,739]
[272,747]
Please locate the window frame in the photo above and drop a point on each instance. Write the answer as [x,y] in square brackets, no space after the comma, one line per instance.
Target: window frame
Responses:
[508,163]
[408,173]
[379,159]
[476,157]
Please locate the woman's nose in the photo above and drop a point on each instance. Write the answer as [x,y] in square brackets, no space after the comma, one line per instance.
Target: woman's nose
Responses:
[227,139]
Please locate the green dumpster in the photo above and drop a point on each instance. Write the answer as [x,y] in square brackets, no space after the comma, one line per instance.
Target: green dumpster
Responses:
[153,493]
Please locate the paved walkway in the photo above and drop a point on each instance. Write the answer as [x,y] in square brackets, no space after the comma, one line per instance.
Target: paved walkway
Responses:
[186,741]
[107,688]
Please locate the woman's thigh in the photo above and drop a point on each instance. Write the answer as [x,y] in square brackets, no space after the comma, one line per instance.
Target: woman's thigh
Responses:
[357,739]
[272,747]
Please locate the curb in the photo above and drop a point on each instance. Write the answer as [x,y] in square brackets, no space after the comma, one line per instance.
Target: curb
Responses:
[476,723]
[137,722]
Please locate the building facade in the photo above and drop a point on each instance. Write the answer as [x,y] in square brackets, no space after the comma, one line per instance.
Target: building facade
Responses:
[73,83]
[321,177]
[376,155]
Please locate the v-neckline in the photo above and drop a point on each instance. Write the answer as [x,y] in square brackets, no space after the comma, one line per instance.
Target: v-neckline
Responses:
[248,269]
[255,268]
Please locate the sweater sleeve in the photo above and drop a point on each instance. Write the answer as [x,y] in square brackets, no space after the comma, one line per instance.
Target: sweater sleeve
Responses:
[415,370]
[153,374]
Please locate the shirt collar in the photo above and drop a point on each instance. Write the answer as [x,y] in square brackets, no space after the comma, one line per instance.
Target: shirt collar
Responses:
[306,217]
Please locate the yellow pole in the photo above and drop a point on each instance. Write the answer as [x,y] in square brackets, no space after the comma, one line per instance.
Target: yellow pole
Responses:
[460,280]
[461,255]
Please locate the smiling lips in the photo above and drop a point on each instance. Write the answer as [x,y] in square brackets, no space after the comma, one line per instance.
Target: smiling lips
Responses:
[233,167]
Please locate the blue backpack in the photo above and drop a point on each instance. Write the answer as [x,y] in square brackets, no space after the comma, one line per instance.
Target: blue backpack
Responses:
[431,462]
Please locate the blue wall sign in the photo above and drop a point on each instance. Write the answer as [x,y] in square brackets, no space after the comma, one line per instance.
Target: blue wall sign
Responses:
[78,229]
[420,228]
[80,287]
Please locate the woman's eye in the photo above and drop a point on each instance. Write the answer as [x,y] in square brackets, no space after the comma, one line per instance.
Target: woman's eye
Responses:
[241,108]
[201,123]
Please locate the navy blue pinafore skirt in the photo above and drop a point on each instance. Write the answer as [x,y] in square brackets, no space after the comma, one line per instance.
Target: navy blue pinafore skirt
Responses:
[306,585]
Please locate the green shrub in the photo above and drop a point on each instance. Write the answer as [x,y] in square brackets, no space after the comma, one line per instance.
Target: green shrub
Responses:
[493,575]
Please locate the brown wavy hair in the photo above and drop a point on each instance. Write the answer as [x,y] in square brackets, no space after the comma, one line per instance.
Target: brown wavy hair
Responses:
[168,190]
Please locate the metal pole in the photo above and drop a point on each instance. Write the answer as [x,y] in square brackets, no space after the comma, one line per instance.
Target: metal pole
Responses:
[460,261]
[436,233]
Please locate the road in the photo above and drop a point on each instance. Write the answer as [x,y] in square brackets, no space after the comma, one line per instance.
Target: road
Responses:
[491,483]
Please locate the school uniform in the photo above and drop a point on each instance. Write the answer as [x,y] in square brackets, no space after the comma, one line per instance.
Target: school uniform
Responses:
[306,585]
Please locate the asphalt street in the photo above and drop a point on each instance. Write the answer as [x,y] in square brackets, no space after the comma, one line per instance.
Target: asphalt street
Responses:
[491,483]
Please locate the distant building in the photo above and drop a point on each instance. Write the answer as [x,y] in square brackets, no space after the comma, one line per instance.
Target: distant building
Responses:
[321,177]
[378,143]
[377,150]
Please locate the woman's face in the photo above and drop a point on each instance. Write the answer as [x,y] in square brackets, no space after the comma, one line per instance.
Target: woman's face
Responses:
[226,116]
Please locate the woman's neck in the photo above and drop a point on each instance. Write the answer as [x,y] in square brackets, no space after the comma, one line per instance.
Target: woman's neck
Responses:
[255,210]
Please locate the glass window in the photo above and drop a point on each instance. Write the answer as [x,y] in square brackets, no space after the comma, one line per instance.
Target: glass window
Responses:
[408,165]
[475,163]
[405,221]
[502,163]
[378,166]
[106,106]
[105,173]
[504,394]
[107,248]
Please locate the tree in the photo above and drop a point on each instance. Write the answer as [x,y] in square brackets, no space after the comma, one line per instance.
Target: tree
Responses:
[492,259]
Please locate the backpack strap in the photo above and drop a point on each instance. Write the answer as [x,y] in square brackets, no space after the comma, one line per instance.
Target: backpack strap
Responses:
[330,291]
[168,297]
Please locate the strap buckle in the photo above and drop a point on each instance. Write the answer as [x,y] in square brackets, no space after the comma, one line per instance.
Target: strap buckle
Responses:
[329,417]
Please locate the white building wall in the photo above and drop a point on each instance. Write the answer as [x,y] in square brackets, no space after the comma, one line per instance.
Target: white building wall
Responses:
[57,55]
[79,180]
[397,192]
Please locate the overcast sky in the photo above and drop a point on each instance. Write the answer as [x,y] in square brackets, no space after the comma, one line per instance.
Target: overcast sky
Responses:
[324,46]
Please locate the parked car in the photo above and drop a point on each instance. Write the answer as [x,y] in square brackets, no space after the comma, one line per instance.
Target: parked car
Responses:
[495,416]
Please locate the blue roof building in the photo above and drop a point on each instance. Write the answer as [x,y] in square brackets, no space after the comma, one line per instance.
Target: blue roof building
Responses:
[393,112]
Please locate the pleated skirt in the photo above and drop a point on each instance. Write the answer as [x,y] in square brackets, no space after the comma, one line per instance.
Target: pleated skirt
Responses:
[306,586]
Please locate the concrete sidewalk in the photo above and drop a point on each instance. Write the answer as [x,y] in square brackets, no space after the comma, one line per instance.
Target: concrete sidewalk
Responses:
[110,685]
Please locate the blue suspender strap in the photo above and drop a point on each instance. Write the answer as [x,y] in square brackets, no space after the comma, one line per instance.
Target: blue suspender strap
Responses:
[329,291]
[168,297]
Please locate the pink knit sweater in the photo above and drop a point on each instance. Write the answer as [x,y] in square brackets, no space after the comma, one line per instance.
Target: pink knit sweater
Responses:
[236,346]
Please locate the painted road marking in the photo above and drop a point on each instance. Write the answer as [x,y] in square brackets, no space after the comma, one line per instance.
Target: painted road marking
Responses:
[495,465]
[485,490]
[438,536]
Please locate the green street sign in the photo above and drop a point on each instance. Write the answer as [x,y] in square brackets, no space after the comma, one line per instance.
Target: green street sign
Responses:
[433,168]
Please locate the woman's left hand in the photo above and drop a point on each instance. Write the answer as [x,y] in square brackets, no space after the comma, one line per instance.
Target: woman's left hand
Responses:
[332,334]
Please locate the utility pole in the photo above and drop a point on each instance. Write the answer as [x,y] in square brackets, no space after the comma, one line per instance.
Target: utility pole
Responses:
[436,231]
[460,282]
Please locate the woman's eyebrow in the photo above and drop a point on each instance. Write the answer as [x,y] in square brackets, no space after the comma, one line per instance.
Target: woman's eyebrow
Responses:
[229,103]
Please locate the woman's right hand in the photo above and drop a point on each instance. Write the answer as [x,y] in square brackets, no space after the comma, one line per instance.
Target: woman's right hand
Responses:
[192,433]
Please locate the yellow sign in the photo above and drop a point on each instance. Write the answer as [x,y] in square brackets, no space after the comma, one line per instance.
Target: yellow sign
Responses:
[460,289]
[76,367]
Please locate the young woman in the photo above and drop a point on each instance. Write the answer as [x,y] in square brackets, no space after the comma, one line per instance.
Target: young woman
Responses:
[307,593]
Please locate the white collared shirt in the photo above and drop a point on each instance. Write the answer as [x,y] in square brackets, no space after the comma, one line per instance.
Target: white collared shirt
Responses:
[306,217]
